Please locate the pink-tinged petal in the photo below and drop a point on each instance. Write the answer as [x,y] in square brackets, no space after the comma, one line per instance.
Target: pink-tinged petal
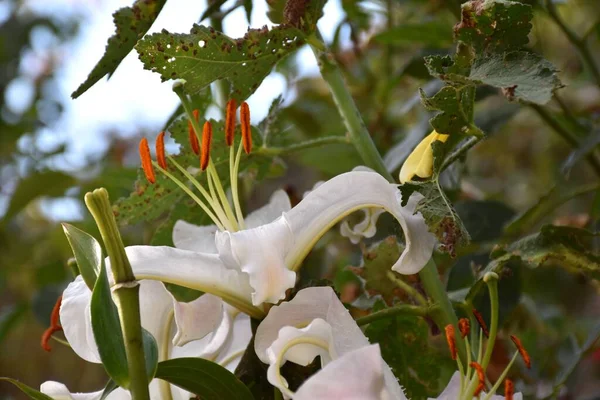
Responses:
[197,318]
[260,254]
[358,375]
[192,237]
[277,205]
[75,318]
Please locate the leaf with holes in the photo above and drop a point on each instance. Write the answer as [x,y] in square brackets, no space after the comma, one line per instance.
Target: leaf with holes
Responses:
[206,55]
[455,106]
[132,23]
[494,25]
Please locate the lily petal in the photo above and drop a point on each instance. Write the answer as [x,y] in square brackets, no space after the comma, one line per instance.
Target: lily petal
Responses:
[197,318]
[76,321]
[304,353]
[366,228]
[452,391]
[277,205]
[198,271]
[260,253]
[357,375]
[192,237]
[59,391]
[345,193]
[232,351]
[156,312]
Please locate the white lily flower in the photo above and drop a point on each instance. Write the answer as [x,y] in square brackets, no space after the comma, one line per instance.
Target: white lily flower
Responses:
[453,391]
[252,260]
[206,328]
[315,323]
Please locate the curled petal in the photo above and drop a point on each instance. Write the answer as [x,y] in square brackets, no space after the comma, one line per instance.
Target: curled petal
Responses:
[310,304]
[366,228]
[260,253]
[58,391]
[338,197]
[197,318]
[75,318]
[198,271]
[277,205]
[356,375]
[232,351]
[192,237]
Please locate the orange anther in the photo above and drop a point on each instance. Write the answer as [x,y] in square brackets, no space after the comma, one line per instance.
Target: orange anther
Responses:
[481,322]
[146,161]
[230,122]
[54,325]
[480,378]
[509,389]
[464,326]
[451,340]
[246,130]
[206,140]
[192,135]
[160,150]
[522,351]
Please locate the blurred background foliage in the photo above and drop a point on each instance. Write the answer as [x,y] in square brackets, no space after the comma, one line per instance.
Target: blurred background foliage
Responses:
[379,45]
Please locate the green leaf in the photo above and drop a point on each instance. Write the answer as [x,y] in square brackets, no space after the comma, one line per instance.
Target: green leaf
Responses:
[494,25]
[29,188]
[132,23]
[431,33]
[109,336]
[404,341]
[30,392]
[377,264]
[520,74]
[204,378]
[108,389]
[454,105]
[87,252]
[205,55]
[439,214]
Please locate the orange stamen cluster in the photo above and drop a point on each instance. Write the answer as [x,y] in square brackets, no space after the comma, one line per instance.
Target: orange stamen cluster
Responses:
[480,378]
[160,150]
[481,322]
[206,141]
[509,389]
[54,325]
[450,338]
[230,122]
[464,326]
[146,160]
[192,135]
[246,131]
[522,351]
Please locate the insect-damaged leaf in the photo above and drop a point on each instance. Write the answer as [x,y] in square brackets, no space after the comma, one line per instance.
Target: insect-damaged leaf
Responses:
[132,23]
[206,55]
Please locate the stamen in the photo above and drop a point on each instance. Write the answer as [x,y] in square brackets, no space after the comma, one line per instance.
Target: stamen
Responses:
[206,141]
[160,150]
[192,135]
[246,130]
[464,326]
[451,340]
[522,351]
[509,389]
[480,378]
[54,325]
[481,322]
[230,122]
[146,160]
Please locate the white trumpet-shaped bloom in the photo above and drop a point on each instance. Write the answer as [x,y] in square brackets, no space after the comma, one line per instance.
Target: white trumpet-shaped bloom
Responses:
[315,323]
[258,264]
[452,391]
[206,328]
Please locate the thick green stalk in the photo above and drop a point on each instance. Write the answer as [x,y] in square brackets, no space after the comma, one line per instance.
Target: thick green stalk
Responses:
[126,292]
[446,315]
[350,115]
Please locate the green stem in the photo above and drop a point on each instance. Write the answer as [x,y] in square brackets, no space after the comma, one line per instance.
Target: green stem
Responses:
[401,309]
[578,43]
[434,288]
[126,291]
[565,134]
[347,108]
[491,279]
[458,153]
[414,293]
[277,151]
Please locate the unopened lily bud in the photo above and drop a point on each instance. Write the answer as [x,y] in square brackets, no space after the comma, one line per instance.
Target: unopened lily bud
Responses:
[420,162]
